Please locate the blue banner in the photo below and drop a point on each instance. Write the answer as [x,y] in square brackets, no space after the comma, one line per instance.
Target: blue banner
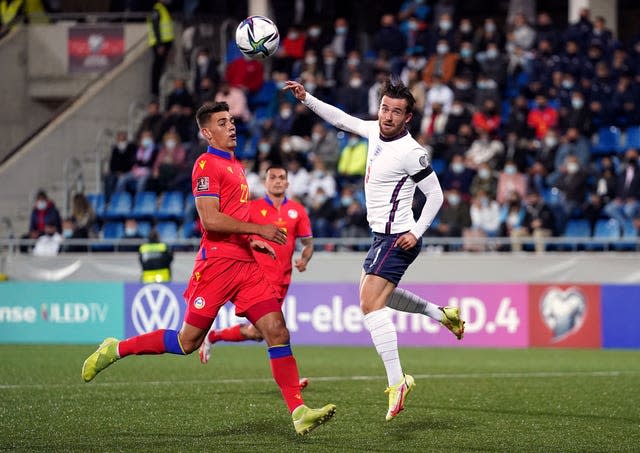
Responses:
[60,312]
[620,312]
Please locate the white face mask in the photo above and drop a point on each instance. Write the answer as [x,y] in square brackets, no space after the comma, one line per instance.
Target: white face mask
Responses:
[147,142]
[122,146]
[355,83]
[41,205]
[550,141]
[310,60]
[202,61]
[353,61]
[171,143]
[573,167]
[286,113]
[442,49]
[316,136]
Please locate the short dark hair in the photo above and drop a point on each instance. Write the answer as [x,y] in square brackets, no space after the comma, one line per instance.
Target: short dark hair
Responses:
[397,90]
[209,108]
[276,167]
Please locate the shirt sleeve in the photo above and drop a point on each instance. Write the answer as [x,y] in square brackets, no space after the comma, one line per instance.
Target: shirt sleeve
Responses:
[337,117]
[303,227]
[204,180]
[417,161]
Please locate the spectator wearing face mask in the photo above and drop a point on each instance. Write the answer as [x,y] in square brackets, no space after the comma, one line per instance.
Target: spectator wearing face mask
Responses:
[343,40]
[141,169]
[484,149]
[441,65]
[572,182]
[493,64]
[513,221]
[123,156]
[320,177]
[390,41]
[573,144]
[438,93]
[152,121]
[487,119]
[577,116]
[48,244]
[487,34]
[467,65]
[457,176]
[486,88]
[443,32]
[484,181]
[542,117]
[626,202]
[510,181]
[539,220]
[546,29]
[292,48]
[464,90]
[465,32]
[180,95]
[324,145]
[299,179]
[170,167]
[415,32]
[70,231]
[205,68]
[354,98]
[454,216]
[316,39]
[485,222]
[44,212]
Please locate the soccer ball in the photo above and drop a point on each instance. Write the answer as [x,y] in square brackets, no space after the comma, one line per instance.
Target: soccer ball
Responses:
[257,37]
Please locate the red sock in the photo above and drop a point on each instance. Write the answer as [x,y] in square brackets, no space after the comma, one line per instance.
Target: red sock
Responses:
[229,334]
[156,342]
[285,373]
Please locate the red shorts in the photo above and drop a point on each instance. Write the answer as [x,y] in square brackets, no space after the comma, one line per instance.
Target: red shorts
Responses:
[282,292]
[217,280]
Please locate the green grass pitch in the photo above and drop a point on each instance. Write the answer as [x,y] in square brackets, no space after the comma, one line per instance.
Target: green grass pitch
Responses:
[465,400]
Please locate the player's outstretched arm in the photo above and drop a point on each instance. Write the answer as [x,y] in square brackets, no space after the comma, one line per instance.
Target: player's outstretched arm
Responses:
[329,113]
[214,220]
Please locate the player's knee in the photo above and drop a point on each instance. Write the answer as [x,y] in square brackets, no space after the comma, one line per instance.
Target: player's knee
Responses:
[275,331]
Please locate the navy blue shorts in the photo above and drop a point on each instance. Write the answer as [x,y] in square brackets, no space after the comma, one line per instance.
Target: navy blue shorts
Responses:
[388,261]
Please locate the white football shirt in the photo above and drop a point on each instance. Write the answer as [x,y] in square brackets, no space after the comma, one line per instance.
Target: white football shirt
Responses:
[390,164]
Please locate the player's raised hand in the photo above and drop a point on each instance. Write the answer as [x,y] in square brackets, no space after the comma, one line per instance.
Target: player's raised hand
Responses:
[296,88]
[263,247]
[270,232]
[406,241]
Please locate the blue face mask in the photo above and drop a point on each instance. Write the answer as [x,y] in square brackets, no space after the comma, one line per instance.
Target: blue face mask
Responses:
[466,52]
[346,201]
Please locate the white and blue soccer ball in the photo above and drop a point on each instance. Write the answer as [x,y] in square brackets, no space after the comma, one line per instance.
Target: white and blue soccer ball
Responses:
[257,37]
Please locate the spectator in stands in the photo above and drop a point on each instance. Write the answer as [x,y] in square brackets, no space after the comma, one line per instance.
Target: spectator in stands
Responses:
[179,94]
[123,156]
[238,106]
[439,93]
[151,121]
[488,34]
[606,180]
[454,215]
[303,121]
[353,98]
[141,169]
[155,259]
[291,48]
[573,144]
[254,181]
[353,161]
[601,94]
[434,124]
[343,40]
[545,150]
[592,210]
[315,39]
[48,243]
[322,213]
[522,35]
[510,181]
[570,61]
[546,29]
[82,215]
[542,117]
[44,212]
[484,149]
[299,179]
[539,220]
[351,216]
[441,66]
[601,35]
[517,119]
[572,182]
[442,32]
[486,88]
[324,145]
[160,38]
[458,115]
[465,32]
[356,63]
[413,8]
[329,72]
[320,177]
[577,116]
[467,65]
[513,221]
[70,232]
[487,119]
[389,40]
[417,36]
[458,176]
[624,103]
[626,204]
[309,63]
[484,181]
[493,64]
[373,95]
[169,171]
[284,119]
[621,65]
[245,73]
[516,149]
[417,88]
[464,89]
[131,235]
[179,119]
[485,221]
[205,75]
[579,31]
[459,143]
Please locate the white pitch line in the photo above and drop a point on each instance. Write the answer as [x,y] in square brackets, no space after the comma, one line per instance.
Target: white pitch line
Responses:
[516,375]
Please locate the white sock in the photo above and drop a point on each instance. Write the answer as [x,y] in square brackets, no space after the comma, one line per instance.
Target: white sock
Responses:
[385,339]
[403,300]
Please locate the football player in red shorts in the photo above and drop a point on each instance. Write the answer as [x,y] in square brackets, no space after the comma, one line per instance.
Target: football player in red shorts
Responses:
[290,216]
[225,269]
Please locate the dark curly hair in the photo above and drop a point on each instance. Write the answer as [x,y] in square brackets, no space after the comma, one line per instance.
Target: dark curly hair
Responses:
[395,89]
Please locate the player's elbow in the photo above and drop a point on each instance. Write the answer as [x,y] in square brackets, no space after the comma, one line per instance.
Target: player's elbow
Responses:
[436,197]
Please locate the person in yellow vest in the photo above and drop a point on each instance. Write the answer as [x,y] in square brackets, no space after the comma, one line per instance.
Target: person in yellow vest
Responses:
[10,13]
[160,38]
[155,258]
[353,161]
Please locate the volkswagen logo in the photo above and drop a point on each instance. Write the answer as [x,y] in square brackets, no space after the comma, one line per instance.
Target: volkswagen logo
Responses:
[155,307]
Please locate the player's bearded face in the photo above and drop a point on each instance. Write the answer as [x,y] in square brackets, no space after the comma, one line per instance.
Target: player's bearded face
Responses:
[393,116]
[220,132]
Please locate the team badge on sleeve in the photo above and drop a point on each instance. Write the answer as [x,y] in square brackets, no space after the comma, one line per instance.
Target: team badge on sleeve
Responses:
[199,303]
[202,184]
[293,213]
[423,160]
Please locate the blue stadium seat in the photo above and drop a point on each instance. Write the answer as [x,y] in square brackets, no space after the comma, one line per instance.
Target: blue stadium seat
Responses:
[111,231]
[608,141]
[439,165]
[171,206]
[144,206]
[96,200]
[144,228]
[263,96]
[606,229]
[168,231]
[577,230]
[120,206]
[633,138]
[629,237]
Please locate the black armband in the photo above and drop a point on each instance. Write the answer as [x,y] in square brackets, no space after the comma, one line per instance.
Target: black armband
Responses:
[422,174]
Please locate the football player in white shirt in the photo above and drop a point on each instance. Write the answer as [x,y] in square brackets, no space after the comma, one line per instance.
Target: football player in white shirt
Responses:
[396,165]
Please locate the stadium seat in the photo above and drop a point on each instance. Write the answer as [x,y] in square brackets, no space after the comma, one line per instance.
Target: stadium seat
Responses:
[111,231]
[263,96]
[605,229]
[608,141]
[144,228]
[629,237]
[439,165]
[144,206]
[96,200]
[577,230]
[171,206]
[168,231]
[120,206]
[633,138]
